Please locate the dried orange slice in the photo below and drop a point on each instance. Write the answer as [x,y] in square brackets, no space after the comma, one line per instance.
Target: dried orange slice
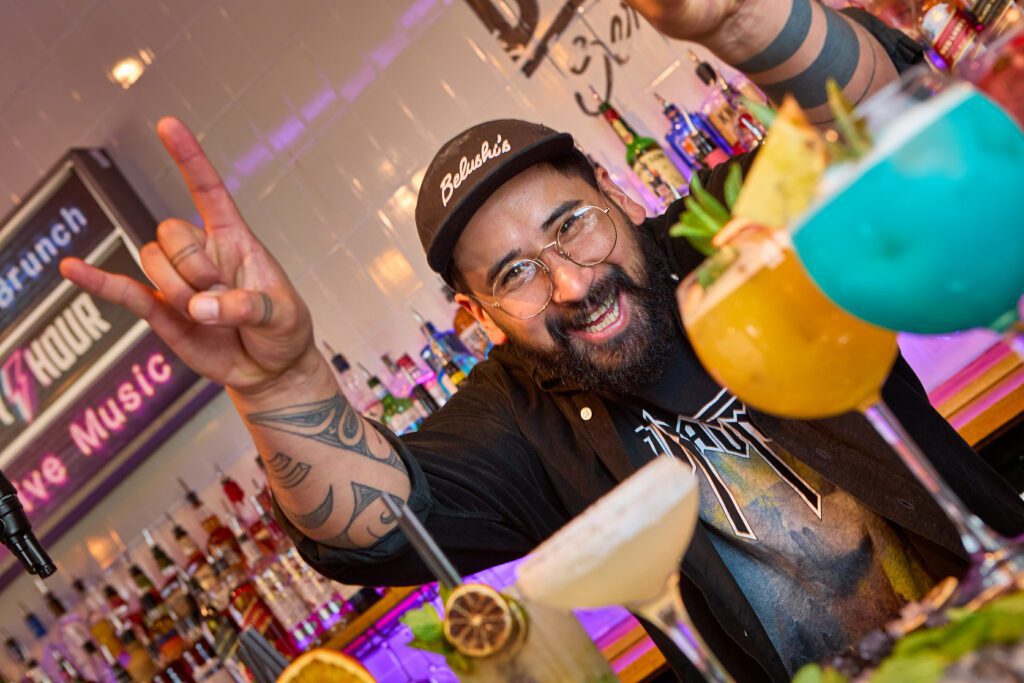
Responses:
[480,622]
[323,664]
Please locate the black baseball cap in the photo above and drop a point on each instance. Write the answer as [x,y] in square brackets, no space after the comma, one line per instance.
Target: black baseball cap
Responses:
[468,169]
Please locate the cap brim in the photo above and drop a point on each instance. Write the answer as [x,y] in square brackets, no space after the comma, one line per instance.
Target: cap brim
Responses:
[441,247]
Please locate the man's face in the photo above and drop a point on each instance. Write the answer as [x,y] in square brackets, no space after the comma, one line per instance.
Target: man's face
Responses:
[605,326]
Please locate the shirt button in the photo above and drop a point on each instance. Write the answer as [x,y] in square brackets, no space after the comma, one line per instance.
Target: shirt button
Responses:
[586,413]
[675,278]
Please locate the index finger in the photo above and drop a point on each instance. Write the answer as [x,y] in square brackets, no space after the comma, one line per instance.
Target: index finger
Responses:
[213,200]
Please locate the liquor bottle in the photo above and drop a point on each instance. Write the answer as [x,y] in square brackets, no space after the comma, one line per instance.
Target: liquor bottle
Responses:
[160,624]
[67,671]
[725,109]
[27,664]
[688,140]
[399,414]
[420,397]
[204,664]
[220,542]
[135,658]
[197,565]
[353,386]
[948,29]
[247,609]
[448,341]
[98,668]
[643,154]
[423,378]
[34,623]
[994,16]
[270,580]
[471,333]
[249,517]
[70,633]
[103,624]
[120,674]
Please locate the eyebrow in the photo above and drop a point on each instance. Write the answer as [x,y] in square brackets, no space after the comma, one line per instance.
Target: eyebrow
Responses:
[553,217]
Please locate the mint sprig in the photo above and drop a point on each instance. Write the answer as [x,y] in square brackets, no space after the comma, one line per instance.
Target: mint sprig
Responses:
[705,215]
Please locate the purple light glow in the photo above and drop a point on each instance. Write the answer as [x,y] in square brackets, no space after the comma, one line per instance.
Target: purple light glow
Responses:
[318,104]
[286,134]
[390,48]
[358,83]
[416,12]
[253,160]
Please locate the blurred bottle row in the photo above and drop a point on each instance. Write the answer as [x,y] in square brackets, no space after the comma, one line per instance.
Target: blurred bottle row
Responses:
[181,624]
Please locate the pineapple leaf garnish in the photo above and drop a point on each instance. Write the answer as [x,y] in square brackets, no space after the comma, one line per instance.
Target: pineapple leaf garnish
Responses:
[854,140]
[704,215]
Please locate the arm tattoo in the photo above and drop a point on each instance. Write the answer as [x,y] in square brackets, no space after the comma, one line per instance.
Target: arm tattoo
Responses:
[363,496]
[320,514]
[332,422]
[786,44]
[289,473]
[838,59]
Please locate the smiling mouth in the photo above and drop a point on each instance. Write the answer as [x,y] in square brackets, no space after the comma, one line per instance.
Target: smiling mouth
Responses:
[603,317]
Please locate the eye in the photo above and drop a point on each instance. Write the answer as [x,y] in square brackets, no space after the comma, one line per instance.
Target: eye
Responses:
[515,276]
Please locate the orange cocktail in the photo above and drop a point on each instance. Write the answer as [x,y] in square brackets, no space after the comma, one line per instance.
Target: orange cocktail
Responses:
[765,331]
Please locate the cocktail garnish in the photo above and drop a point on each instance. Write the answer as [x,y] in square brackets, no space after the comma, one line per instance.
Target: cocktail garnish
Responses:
[854,139]
[715,265]
[704,215]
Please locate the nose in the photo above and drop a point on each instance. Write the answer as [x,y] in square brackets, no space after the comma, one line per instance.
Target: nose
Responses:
[571,282]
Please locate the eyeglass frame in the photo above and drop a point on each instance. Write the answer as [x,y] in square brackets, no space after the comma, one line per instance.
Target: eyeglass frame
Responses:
[562,253]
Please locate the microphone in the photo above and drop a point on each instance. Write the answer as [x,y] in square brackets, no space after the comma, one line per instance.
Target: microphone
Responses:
[16,533]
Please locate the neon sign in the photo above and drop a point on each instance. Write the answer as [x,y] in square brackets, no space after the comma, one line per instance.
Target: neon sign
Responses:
[86,390]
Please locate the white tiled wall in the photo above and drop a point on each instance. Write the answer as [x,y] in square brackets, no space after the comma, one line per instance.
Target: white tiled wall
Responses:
[322,117]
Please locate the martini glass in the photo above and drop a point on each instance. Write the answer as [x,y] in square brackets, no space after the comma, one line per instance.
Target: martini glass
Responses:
[625,550]
[926,233]
[767,333]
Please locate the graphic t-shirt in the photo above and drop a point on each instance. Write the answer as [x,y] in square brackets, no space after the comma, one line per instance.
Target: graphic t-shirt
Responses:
[818,568]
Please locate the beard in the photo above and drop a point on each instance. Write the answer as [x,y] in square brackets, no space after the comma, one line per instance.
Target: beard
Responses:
[639,354]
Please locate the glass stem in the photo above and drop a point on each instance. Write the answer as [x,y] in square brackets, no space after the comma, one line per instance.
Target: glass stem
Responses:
[666,611]
[976,536]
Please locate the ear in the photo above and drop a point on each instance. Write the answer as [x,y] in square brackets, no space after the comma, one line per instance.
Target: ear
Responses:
[632,209]
[480,314]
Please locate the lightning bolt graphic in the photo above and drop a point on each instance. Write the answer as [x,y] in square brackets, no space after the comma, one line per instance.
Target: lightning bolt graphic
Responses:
[18,389]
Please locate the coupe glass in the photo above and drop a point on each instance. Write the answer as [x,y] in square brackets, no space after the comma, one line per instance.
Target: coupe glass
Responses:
[625,550]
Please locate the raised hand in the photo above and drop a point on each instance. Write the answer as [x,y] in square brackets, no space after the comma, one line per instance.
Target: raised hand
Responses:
[220,300]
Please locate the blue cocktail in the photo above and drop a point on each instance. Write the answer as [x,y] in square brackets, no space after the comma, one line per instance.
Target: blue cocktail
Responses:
[926,233]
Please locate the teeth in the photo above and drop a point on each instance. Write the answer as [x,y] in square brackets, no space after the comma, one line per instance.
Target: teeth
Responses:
[600,311]
[612,316]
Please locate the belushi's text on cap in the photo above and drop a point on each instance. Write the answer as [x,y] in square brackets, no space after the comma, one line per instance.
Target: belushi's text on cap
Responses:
[451,182]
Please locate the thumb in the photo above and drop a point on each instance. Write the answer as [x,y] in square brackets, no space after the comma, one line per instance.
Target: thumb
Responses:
[233,308]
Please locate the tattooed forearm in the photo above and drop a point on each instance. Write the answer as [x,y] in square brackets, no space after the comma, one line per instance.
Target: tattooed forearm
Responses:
[333,422]
[375,527]
[319,515]
[287,472]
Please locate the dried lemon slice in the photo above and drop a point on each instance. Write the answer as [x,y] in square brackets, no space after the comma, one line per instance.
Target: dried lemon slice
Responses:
[323,664]
[480,622]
